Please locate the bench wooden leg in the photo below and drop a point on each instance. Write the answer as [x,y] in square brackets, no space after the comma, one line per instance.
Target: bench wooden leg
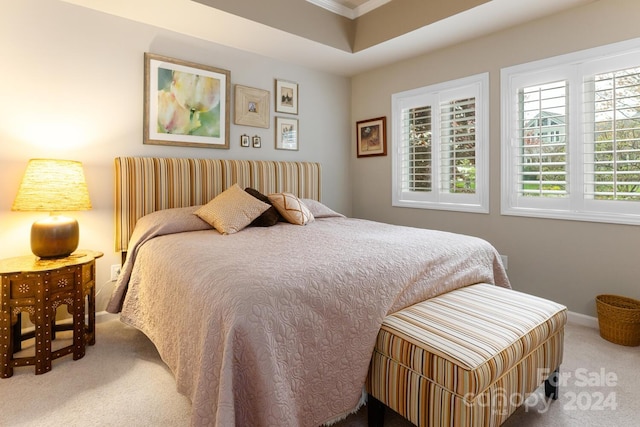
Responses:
[551,385]
[375,412]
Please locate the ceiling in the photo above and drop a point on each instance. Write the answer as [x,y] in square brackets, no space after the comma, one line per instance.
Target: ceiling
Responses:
[299,32]
[349,8]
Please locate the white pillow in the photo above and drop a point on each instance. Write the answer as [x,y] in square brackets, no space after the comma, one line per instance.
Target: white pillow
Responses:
[319,210]
[291,208]
[232,210]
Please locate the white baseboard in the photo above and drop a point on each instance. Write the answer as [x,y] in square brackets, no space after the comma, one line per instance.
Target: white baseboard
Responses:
[582,320]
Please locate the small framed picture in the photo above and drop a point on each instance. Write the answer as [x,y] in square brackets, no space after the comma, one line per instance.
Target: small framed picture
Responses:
[371,137]
[257,141]
[251,107]
[286,97]
[244,140]
[286,133]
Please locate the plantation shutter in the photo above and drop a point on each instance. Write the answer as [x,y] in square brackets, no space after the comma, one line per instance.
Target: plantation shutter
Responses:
[440,146]
[612,155]
[458,145]
[542,163]
[571,136]
[416,151]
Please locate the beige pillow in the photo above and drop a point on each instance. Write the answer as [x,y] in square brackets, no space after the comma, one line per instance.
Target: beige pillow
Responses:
[232,210]
[291,208]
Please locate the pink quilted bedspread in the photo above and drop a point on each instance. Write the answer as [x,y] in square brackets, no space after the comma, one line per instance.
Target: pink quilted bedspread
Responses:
[275,326]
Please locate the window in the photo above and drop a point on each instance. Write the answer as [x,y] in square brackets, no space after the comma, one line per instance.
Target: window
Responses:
[571,136]
[440,146]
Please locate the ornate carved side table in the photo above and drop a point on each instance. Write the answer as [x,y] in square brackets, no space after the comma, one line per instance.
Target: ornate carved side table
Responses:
[36,286]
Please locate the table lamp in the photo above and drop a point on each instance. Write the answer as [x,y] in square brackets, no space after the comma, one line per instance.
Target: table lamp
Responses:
[53,186]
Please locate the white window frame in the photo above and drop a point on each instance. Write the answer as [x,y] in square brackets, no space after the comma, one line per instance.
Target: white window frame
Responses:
[476,86]
[574,68]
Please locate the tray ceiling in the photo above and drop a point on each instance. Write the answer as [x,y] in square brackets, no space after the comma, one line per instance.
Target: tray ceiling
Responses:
[349,8]
[302,33]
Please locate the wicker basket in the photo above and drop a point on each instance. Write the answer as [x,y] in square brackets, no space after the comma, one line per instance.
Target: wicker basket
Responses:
[619,319]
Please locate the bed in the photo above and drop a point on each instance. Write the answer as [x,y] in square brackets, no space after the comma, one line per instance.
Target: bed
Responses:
[270,326]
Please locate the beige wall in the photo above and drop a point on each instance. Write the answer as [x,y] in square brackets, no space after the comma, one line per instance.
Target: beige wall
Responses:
[72,87]
[567,261]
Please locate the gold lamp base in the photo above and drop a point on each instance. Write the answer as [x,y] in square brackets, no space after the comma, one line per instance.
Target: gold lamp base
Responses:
[54,237]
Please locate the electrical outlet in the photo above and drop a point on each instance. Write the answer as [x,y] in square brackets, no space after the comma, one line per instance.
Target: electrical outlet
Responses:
[115,272]
[505,261]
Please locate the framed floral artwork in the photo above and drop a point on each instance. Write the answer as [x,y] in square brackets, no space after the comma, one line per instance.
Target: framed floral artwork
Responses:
[286,97]
[371,137]
[244,140]
[251,107]
[286,133]
[185,104]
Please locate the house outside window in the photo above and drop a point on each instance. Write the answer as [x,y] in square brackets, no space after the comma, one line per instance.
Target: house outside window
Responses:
[440,146]
[571,136]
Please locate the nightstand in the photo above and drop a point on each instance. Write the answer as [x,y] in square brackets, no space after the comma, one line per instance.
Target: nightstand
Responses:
[38,286]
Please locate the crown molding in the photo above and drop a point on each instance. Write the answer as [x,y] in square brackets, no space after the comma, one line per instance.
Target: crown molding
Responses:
[347,12]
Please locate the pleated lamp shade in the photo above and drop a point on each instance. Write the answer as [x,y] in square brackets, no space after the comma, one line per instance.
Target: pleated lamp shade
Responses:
[52,185]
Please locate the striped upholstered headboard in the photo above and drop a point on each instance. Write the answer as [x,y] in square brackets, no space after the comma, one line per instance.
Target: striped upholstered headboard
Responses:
[148,184]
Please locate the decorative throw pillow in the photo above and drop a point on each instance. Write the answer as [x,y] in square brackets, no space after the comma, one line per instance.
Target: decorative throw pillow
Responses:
[291,208]
[269,217]
[319,210]
[232,210]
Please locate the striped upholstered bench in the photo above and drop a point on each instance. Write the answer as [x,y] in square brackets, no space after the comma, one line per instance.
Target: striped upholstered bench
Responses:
[466,358]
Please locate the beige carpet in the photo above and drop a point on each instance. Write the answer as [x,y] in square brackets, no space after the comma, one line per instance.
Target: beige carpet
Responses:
[122,382]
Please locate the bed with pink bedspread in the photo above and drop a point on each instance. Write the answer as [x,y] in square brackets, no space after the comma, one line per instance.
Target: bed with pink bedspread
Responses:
[275,326]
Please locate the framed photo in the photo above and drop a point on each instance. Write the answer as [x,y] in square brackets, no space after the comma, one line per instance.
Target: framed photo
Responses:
[286,97]
[244,140]
[371,137]
[257,142]
[251,107]
[185,104]
[286,133]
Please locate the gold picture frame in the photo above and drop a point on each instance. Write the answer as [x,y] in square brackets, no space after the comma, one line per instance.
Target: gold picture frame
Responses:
[185,104]
[371,137]
[286,97]
[251,106]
